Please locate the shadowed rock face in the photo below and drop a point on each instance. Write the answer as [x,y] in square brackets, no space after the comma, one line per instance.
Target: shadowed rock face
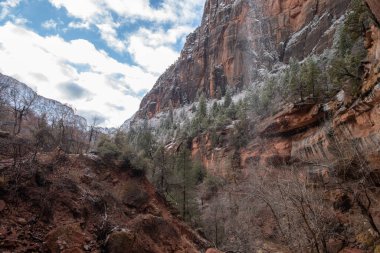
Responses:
[236,40]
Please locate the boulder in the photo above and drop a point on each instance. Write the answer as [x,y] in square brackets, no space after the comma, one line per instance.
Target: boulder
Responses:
[118,241]
[66,239]
[135,196]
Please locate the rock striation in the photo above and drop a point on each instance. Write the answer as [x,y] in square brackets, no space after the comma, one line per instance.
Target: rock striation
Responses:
[237,41]
[309,132]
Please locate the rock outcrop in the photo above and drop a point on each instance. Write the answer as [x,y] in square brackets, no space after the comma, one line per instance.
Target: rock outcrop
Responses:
[237,41]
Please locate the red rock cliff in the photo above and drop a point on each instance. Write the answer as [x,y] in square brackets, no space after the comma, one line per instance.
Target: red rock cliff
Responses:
[374,5]
[312,132]
[237,39]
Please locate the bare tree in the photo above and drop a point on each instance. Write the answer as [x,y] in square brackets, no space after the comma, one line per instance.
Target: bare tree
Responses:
[354,175]
[92,132]
[21,101]
[61,124]
[304,219]
[3,89]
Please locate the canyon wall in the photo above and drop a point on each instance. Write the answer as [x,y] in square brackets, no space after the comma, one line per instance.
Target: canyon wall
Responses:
[316,133]
[240,40]
[237,42]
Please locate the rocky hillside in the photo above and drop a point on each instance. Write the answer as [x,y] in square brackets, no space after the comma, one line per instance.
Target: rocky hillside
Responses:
[71,203]
[292,167]
[238,41]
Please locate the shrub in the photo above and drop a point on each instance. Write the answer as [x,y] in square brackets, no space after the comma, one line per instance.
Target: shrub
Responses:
[108,150]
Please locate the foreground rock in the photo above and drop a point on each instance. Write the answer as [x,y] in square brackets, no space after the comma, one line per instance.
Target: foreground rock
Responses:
[73,204]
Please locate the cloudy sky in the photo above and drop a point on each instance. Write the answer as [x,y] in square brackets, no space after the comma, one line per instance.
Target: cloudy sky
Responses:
[100,56]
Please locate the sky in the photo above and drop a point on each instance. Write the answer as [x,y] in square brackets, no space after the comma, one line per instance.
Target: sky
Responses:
[98,56]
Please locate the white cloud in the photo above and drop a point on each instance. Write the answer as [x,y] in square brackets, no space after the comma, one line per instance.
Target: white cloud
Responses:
[109,34]
[140,10]
[83,9]
[154,60]
[170,10]
[48,62]
[6,6]
[79,25]
[163,38]
[19,21]
[50,24]
[153,50]
[98,13]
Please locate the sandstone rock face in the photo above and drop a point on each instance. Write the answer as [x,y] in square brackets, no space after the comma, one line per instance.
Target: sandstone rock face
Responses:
[374,5]
[311,132]
[239,38]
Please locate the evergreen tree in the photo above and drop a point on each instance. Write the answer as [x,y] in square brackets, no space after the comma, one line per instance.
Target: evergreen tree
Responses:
[202,107]
[227,98]
[145,142]
[309,77]
[267,95]
[170,118]
[284,90]
[162,164]
[345,68]
[295,85]
[184,166]
[231,111]
[214,109]
[218,93]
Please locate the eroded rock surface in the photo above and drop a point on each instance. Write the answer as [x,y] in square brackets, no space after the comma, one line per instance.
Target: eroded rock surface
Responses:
[239,38]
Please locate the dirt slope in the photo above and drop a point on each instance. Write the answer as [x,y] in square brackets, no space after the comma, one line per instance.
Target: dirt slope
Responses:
[65,203]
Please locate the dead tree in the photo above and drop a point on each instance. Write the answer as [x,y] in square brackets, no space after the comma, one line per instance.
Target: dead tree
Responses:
[21,101]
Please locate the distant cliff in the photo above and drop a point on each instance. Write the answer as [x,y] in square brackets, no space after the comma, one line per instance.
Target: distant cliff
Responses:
[52,108]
